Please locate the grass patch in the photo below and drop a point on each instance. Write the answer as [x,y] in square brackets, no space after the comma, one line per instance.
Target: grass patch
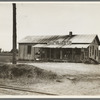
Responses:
[25,71]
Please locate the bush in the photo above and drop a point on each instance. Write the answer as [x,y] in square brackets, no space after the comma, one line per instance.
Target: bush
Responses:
[4,70]
[23,70]
[16,72]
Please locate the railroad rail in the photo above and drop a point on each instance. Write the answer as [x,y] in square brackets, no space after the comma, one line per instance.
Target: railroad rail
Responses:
[24,89]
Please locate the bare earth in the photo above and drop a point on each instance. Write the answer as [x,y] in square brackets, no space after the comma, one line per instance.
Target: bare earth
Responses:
[80,79]
[76,79]
[69,68]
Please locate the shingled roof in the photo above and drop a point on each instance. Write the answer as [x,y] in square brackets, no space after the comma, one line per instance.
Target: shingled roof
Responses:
[74,38]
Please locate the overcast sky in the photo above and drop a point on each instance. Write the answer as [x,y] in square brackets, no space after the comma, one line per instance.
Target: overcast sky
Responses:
[47,19]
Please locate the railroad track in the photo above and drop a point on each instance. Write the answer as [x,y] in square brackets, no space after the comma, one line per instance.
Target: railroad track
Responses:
[25,90]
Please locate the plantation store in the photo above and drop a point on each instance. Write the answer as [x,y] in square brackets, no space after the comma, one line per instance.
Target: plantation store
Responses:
[73,48]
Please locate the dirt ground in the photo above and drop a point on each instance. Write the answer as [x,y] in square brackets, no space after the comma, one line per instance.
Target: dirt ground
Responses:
[69,68]
[76,79]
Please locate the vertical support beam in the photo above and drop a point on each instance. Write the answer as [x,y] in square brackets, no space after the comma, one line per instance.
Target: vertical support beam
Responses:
[50,53]
[55,53]
[14,34]
[84,54]
[40,54]
[45,54]
[71,54]
[60,54]
[34,54]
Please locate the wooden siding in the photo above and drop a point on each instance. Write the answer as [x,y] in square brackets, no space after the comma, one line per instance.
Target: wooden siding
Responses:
[93,50]
[60,54]
[23,52]
[53,54]
[99,56]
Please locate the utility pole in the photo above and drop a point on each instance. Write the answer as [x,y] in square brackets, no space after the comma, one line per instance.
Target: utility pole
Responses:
[14,35]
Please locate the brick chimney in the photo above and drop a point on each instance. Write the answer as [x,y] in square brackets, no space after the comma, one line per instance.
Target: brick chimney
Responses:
[70,33]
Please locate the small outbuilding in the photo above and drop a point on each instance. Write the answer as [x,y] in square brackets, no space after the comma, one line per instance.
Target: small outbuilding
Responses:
[72,48]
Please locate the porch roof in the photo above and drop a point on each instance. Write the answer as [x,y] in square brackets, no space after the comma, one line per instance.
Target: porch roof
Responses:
[76,46]
[40,45]
[61,46]
[47,46]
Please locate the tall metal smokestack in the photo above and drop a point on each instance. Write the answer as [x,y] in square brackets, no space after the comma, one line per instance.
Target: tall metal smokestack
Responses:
[14,35]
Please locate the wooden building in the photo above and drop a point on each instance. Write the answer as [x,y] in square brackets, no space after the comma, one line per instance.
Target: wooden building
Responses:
[99,54]
[72,48]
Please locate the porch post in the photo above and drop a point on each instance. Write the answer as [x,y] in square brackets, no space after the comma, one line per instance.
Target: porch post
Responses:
[50,53]
[45,54]
[34,53]
[55,53]
[60,53]
[72,54]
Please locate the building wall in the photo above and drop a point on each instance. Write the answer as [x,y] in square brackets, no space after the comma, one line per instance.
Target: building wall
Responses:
[23,52]
[54,54]
[93,50]
[99,56]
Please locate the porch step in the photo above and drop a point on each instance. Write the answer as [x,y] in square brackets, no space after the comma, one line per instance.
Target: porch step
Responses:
[96,62]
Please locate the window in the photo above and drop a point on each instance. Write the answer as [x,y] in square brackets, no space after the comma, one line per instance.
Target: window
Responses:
[90,51]
[95,54]
[94,41]
[29,49]
[93,51]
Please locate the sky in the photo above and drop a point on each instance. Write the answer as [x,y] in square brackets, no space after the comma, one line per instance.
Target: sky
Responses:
[48,18]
